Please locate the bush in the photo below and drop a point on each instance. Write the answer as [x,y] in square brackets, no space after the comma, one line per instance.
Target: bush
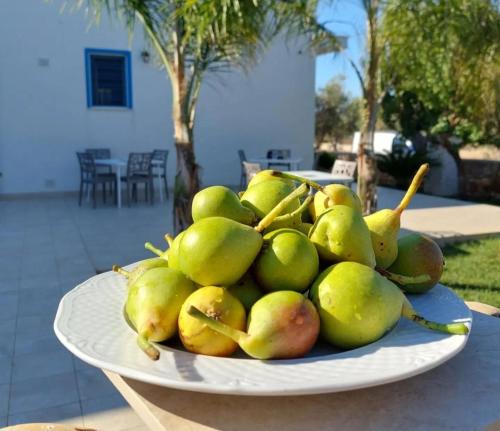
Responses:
[402,164]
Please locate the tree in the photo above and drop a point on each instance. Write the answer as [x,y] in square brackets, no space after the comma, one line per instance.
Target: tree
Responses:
[337,114]
[372,95]
[194,37]
[443,61]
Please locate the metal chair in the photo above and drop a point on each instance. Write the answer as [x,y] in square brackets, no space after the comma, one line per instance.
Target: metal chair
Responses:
[101,153]
[161,155]
[251,169]
[90,177]
[139,171]
[279,154]
[243,177]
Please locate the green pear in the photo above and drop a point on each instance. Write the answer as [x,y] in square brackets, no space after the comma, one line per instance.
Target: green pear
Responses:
[418,254]
[173,251]
[220,201]
[305,228]
[357,306]
[141,268]
[247,291]
[218,303]
[384,224]
[266,175]
[262,197]
[287,261]
[153,305]
[281,325]
[218,251]
[341,234]
[335,194]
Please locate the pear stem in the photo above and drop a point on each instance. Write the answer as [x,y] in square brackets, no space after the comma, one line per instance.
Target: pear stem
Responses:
[278,209]
[298,211]
[416,182]
[121,271]
[403,279]
[153,249]
[170,239]
[217,325]
[448,328]
[148,348]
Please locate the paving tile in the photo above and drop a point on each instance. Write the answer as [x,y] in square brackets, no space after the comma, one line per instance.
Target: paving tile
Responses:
[7,345]
[10,273]
[4,399]
[34,326]
[9,285]
[38,301]
[7,326]
[92,383]
[48,281]
[68,414]
[81,365]
[43,393]
[29,366]
[8,305]
[36,345]
[3,421]
[111,413]
[5,369]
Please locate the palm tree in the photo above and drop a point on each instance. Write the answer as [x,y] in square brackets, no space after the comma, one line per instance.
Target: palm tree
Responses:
[194,37]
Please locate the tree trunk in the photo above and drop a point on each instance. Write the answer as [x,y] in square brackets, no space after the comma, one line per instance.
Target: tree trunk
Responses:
[367,164]
[187,182]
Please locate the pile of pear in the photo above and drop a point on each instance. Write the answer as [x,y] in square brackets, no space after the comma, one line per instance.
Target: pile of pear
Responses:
[275,267]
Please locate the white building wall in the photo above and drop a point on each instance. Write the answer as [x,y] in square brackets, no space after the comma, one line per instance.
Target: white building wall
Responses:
[44,117]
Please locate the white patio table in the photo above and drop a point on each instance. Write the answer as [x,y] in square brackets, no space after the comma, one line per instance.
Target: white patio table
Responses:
[324,178]
[265,162]
[118,164]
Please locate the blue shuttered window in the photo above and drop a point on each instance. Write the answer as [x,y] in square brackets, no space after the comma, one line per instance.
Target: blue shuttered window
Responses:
[108,78]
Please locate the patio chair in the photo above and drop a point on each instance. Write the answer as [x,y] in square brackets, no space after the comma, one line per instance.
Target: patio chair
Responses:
[251,169]
[101,153]
[344,168]
[139,171]
[279,154]
[89,177]
[161,155]
[243,177]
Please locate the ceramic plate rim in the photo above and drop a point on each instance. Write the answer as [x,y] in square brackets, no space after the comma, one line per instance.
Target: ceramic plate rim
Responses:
[299,389]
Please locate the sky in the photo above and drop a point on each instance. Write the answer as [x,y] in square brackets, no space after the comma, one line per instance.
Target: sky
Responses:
[345,18]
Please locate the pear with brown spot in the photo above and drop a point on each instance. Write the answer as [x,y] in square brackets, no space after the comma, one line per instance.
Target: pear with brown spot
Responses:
[281,325]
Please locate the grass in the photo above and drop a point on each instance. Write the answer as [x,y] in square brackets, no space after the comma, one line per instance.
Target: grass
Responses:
[473,270]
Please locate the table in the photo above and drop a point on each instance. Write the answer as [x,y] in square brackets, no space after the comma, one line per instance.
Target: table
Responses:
[264,161]
[462,394]
[324,178]
[118,164]
[159,164]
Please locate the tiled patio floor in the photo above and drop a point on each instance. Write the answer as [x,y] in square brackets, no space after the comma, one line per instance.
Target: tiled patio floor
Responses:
[47,246]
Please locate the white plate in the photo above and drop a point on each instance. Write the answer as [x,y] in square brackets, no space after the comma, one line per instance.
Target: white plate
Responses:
[90,323]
